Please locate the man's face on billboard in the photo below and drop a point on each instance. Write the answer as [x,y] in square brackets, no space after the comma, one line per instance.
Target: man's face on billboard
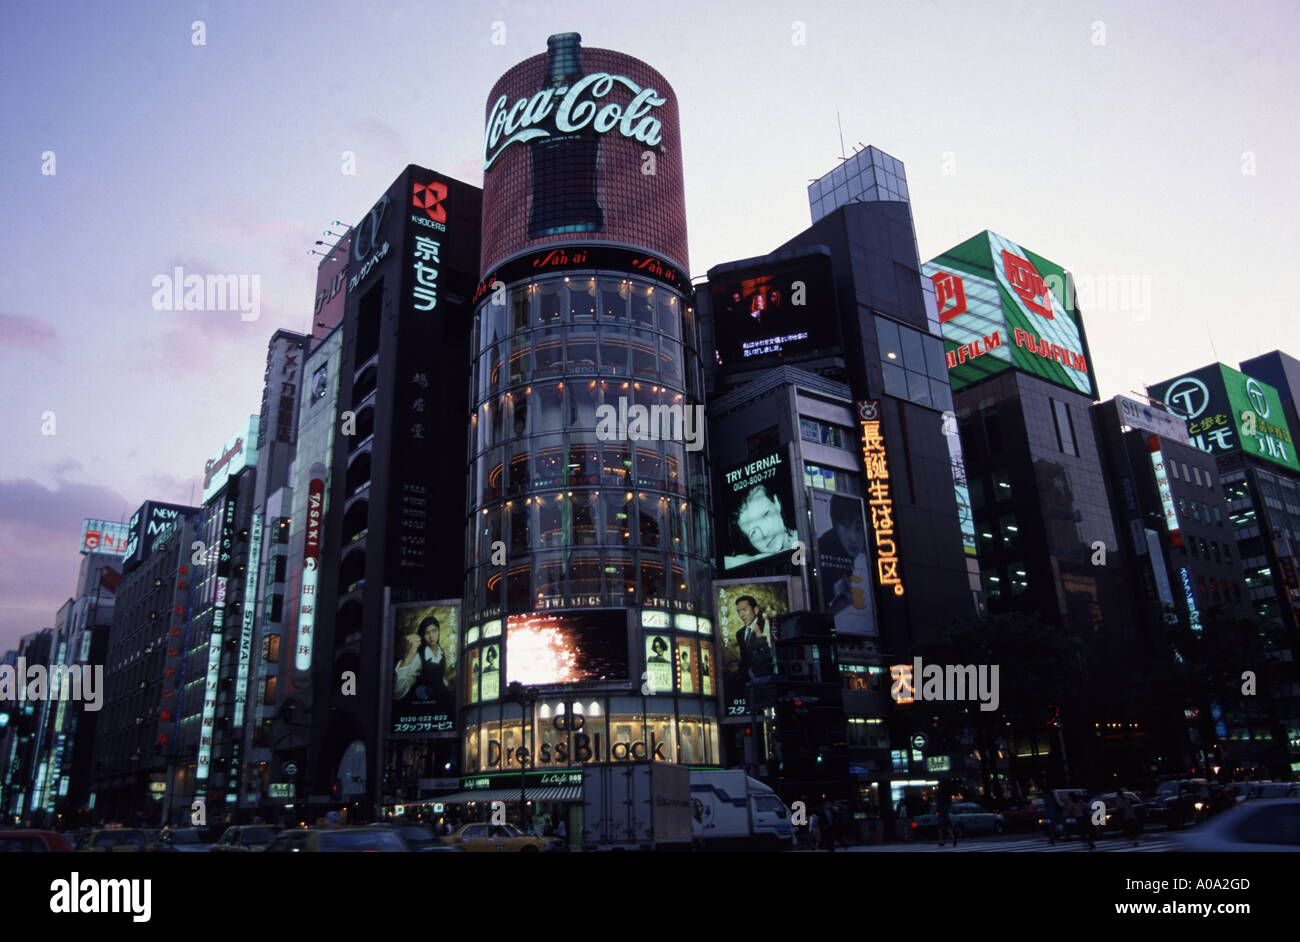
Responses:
[760,520]
[746,612]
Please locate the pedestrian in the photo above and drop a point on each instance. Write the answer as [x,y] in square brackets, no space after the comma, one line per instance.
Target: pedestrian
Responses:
[828,826]
[943,811]
[1082,820]
[815,831]
[1052,812]
[1128,816]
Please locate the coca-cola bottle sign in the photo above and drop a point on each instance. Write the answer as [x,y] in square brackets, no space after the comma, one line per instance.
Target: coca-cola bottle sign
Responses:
[571,109]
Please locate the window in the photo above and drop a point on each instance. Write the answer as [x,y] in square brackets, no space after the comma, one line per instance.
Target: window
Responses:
[1064,428]
[1196,473]
[764,442]
[992,432]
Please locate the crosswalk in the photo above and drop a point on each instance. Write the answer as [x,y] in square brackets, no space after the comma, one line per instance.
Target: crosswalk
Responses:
[1037,844]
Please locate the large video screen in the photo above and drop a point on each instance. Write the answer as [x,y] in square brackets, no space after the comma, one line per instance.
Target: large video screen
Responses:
[755,504]
[567,647]
[748,613]
[426,640]
[775,311]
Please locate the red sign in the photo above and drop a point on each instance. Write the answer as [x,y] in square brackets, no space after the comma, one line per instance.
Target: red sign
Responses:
[1028,284]
[315,504]
[429,197]
[949,287]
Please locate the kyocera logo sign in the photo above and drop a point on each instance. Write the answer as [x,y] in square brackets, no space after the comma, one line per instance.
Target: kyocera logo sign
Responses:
[429,197]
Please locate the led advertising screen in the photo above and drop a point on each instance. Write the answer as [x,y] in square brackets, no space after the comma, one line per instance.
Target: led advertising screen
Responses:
[1227,411]
[426,638]
[843,566]
[748,614]
[568,647]
[775,311]
[582,144]
[756,504]
[238,452]
[103,536]
[147,525]
[1002,306]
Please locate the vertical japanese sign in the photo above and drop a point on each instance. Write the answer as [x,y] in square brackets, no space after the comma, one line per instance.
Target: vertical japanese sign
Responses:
[879,501]
[1165,491]
[213,674]
[286,416]
[310,564]
[249,612]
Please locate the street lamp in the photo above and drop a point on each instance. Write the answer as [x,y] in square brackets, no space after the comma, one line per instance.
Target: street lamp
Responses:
[525,697]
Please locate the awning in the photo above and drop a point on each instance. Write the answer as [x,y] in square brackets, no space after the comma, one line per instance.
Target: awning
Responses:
[536,793]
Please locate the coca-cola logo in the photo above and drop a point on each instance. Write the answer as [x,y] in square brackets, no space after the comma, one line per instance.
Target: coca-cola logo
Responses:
[570,109]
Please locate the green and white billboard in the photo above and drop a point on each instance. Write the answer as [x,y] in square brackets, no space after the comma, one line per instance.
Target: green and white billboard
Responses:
[1228,412]
[1002,307]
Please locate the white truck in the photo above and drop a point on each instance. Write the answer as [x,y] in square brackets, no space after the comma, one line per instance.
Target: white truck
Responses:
[636,806]
[731,811]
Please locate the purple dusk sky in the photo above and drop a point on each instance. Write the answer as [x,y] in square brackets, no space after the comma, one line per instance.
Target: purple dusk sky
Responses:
[1156,144]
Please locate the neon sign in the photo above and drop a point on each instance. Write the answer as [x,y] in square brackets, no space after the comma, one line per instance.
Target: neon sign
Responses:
[880,502]
[531,118]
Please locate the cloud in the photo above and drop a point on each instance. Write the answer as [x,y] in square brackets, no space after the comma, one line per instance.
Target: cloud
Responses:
[40,537]
[363,134]
[29,333]
[57,511]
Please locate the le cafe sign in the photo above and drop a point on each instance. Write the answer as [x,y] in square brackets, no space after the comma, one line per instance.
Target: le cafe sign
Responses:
[542,115]
[582,748]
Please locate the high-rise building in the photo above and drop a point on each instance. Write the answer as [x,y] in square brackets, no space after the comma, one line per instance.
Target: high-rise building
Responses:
[1173,526]
[371,517]
[141,772]
[830,410]
[588,552]
[1023,385]
[1242,422]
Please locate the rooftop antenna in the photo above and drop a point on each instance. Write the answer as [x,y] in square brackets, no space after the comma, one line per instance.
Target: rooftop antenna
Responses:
[1211,336]
[840,125]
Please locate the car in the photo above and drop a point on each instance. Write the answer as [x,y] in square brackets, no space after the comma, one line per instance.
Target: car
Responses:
[115,841]
[244,838]
[1264,824]
[1178,803]
[345,840]
[967,818]
[1256,790]
[1024,815]
[421,838]
[185,841]
[39,842]
[489,838]
[1113,820]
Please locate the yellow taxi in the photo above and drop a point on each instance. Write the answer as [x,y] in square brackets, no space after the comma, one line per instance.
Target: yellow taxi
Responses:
[116,841]
[499,838]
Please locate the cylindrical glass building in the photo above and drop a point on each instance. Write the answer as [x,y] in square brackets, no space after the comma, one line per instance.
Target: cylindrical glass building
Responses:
[588,547]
